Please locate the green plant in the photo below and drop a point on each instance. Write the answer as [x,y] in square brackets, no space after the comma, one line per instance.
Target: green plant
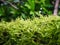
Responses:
[39,31]
[25,9]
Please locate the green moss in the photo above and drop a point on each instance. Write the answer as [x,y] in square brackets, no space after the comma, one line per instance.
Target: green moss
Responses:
[39,31]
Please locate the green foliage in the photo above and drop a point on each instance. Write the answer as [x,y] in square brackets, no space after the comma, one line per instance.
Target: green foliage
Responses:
[46,5]
[25,9]
[39,31]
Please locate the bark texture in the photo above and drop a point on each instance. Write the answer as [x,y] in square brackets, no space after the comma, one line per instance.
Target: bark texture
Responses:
[56,7]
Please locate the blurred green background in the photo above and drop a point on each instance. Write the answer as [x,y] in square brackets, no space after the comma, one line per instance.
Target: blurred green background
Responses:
[11,9]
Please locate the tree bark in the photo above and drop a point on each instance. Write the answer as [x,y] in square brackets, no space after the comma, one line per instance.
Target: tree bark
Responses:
[56,7]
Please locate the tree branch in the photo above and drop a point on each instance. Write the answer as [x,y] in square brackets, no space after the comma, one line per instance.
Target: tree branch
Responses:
[14,6]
